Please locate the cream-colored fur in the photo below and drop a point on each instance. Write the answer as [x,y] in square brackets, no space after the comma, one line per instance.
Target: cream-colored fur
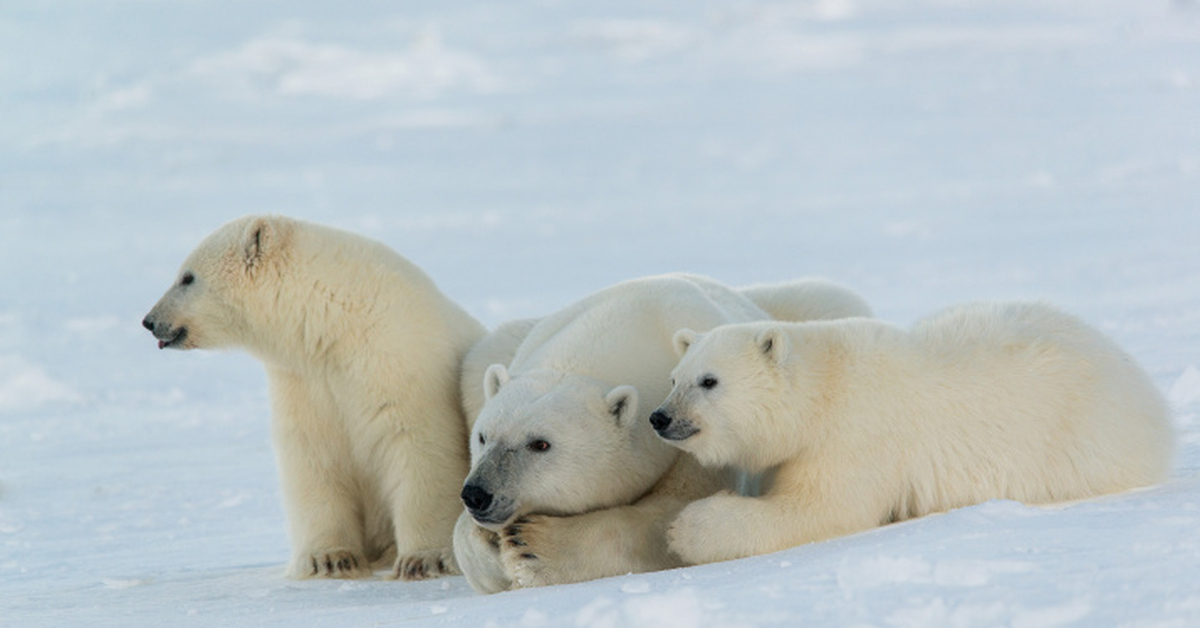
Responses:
[362,353]
[497,347]
[615,519]
[477,549]
[866,423]
[808,299]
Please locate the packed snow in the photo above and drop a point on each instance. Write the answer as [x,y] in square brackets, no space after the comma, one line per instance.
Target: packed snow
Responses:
[525,154]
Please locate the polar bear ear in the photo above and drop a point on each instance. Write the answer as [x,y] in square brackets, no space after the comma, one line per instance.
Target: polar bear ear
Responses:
[774,344]
[495,377]
[256,238]
[683,339]
[622,403]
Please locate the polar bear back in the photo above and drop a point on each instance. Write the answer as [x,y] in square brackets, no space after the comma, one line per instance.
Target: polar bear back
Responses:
[1054,392]
[984,401]
[623,333]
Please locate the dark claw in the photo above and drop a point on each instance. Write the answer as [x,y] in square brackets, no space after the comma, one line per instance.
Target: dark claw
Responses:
[528,556]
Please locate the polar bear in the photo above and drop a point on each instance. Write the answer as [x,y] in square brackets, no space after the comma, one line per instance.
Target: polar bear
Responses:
[807,299]
[362,353]
[867,424]
[573,404]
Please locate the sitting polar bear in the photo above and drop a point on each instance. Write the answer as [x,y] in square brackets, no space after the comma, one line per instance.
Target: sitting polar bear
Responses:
[867,424]
[362,355]
[568,481]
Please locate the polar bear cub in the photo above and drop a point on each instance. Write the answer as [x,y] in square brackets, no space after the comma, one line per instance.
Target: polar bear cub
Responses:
[867,424]
[362,353]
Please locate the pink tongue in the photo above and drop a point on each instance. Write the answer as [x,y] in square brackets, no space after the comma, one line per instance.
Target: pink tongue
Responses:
[162,343]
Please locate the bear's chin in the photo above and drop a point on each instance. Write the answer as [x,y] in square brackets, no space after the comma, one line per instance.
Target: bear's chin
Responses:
[176,340]
[678,432]
[492,521]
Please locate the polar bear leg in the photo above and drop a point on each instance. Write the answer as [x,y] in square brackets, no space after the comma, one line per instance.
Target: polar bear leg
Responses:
[477,551]
[727,526]
[421,484]
[542,550]
[320,496]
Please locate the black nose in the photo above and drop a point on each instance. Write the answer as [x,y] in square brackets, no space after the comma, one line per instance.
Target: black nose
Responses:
[147,324]
[476,498]
[659,420]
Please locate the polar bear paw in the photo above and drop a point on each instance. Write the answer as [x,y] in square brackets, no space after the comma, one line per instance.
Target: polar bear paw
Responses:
[528,554]
[704,530]
[332,563]
[425,565]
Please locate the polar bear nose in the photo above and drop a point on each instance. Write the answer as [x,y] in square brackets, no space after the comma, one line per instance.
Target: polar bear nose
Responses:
[476,498]
[147,323]
[659,420]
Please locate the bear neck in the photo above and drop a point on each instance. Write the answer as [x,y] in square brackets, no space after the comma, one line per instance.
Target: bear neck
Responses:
[847,372]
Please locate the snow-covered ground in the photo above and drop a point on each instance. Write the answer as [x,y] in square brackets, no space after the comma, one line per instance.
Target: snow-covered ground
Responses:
[526,153]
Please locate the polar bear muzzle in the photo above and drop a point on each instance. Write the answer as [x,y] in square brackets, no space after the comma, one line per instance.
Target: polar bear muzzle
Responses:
[169,337]
[487,508]
[672,429]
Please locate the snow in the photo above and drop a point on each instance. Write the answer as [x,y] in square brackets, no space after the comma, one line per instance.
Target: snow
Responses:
[925,152]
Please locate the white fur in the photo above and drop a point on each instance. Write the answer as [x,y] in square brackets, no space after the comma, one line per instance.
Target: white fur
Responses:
[866,423]
[497,347]
[585,379]
[808,299]
[362,354]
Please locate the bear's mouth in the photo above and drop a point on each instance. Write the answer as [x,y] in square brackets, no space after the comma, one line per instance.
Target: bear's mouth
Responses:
[175,340]
[678,430]
[491,522]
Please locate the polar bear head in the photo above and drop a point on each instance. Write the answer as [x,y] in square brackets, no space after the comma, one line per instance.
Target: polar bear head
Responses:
[208,304]
[726,395]
[558,444]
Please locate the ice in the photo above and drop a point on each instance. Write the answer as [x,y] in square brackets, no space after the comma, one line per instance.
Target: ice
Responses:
[1185,392]
[25,386]
[526,154]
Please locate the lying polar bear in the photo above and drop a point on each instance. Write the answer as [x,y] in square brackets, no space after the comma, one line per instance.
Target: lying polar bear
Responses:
[568,481]
[866,424]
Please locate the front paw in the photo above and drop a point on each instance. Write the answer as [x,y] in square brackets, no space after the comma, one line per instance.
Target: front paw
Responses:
[477,551]
[332,563]
[701,531]
[425,565]
[527,553]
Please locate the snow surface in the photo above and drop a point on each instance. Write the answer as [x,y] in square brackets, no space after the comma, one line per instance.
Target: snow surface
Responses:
[526,153]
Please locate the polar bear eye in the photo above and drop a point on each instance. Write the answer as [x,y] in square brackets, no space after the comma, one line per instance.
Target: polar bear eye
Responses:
[187,279]
[482,440]
[708,382]
[539,446]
